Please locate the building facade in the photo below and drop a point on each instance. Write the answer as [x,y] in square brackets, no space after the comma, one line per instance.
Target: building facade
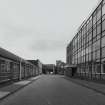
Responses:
[13,67]
[38,65]
[87,48]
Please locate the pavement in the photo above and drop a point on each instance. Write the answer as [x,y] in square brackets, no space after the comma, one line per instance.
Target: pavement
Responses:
[96,86]
[14,87]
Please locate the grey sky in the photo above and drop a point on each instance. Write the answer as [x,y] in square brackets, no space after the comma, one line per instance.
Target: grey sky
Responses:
[41,28]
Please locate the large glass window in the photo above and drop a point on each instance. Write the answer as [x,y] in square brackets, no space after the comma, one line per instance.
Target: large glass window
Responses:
[97,54]
[89,56]
[99,29]
[94,17]
[103,9]
[90,23]
[94,32]
[90,43]
[94,55]
[103,42]
[94,46]
[103,17]
[94,39]
[90,36]
[89,49]
[97,44]
[98,70]
[99,13]
[8,66]
[94,26]
[98,36]
[103,67]
[84,59]
[103,33]
[3,67]
[87,38]
[103,25]
[103,52]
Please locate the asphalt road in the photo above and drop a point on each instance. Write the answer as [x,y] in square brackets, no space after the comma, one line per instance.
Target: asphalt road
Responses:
[54,90]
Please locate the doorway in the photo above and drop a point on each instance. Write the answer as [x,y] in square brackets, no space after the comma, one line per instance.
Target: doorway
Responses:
[74,71]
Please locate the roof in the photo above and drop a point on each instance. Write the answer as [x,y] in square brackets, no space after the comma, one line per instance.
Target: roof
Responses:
[7,54]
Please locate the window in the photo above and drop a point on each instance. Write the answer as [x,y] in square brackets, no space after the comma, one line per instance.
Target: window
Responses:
[90,23]
[103,33]
[90,68]
[87,39]
[3,66]
[103,52]
[90,36]
[103,10]
[89,56]
[87,50]
[8,66]
[84,59]
[94,39]
[90,43]
[98,45]
[94,17]
[98,22]
[98,14]
[94,32]
[94,26]
[99,29]
[98,70]
[103,17]
[103,25]
[94,55]
[87,69]
[103,42]
[98,54]
[81,59]
[103,68]
[98,36]
[94,46]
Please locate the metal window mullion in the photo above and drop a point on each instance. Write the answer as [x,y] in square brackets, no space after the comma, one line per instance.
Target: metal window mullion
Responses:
[101,42]
[85,50]
[92,48]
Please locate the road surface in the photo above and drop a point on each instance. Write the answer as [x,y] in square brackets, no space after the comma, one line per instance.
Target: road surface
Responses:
[54,90]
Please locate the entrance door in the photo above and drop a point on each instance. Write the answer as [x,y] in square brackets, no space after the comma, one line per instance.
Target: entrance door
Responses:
[74,71]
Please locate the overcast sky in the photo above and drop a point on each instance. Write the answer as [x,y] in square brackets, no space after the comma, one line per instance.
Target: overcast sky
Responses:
[41,29]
